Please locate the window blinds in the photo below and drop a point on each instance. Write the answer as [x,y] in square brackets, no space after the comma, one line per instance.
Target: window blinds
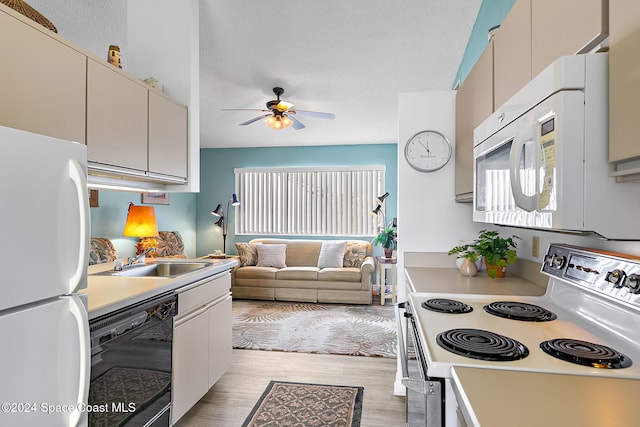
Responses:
[308,201]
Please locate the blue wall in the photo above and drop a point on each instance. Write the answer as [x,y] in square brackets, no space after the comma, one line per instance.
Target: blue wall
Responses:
[491,13]
[217,180]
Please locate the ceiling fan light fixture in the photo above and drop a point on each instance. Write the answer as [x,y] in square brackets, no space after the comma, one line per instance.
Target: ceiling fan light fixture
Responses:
[278,122]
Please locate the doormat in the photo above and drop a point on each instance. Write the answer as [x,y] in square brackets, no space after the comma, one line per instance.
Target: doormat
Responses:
[299,404]
[354,330]
[120,387]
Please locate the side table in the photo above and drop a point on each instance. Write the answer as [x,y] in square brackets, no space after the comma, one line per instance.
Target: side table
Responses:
[382,266]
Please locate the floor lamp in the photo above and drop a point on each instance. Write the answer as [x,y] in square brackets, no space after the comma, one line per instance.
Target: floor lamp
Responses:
[222,222]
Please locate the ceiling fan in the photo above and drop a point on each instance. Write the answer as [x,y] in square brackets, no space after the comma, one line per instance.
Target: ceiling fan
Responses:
[281,114]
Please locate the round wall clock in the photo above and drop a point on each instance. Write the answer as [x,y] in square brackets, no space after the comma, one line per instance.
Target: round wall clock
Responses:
[427,151]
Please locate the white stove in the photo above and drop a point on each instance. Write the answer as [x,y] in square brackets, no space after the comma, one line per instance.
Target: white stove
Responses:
[588,325]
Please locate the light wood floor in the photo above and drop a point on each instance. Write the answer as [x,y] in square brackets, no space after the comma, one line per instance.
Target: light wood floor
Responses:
[231,399]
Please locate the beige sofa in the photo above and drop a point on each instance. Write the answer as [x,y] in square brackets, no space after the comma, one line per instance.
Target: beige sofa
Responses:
[325,271]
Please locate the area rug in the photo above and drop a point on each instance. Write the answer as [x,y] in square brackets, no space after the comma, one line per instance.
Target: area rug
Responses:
[120,387]
[356,330]
[297,404]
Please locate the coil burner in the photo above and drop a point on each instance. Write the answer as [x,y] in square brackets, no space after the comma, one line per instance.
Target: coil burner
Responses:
[443,305]
[482,345]
[585,353]
[519,311]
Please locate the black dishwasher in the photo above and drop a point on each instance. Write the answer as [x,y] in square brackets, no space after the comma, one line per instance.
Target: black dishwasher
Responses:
[131,365]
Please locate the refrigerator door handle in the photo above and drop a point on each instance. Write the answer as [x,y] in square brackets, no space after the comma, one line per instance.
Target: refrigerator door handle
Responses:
[78,176]
[79,312]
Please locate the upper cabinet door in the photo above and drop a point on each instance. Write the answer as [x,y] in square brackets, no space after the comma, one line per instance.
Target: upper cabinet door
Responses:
[624,80]
[43,81]
[474,103]
[512,52]
[565,27]
[167,136]
[116,118]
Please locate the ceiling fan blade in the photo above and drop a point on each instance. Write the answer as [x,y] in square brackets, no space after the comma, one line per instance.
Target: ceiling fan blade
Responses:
[246,109]
[329,116]
[297,124]
[255,119]
[283,106]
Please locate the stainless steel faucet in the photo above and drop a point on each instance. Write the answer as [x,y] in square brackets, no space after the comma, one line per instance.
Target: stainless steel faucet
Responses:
[133,260]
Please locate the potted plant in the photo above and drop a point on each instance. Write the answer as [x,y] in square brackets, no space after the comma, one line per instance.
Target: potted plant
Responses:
[469,258]
[387,239]
[497,251]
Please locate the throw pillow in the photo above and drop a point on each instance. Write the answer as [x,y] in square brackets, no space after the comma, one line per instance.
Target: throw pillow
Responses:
[247,253]
[354,254]
[331,254]
[272,255]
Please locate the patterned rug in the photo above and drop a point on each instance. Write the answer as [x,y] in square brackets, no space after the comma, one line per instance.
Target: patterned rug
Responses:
[295,404]
[356,330]
[120,387]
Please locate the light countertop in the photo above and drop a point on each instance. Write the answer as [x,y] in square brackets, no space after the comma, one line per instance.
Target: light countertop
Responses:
[110,293]
[450,280]
[505,398]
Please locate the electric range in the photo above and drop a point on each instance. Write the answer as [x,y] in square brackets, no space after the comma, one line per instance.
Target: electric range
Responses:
[587,323]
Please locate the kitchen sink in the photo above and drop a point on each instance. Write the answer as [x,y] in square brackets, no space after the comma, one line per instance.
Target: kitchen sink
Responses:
[157,269]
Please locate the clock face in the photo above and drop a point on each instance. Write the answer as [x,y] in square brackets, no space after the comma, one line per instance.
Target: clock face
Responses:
[427,151]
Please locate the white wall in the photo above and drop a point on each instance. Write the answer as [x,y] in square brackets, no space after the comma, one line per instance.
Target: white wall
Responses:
[429,219]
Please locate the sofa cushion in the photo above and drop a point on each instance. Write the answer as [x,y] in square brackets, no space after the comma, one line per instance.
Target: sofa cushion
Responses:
[355,253]
[332,254]
[248,253]
[297,273]
[303,253]
[101,250]
[271,255]
[255,272]
[344,274]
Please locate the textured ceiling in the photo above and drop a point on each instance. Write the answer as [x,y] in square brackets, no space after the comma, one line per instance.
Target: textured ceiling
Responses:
[351,58]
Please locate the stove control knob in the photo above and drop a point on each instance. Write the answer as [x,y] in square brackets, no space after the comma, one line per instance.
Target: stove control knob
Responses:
[633,283]
[616,277]
[548,259]
[559,262]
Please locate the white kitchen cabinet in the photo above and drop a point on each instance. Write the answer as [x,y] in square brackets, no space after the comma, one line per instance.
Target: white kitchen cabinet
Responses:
[190,362]
[512,52]
[624,86]
[566,27]
[116,118]
[474,103]
[202,347]
[220,339]
[168,136]
[43,81]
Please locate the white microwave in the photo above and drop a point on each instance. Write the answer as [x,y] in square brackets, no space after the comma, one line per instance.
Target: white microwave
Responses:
[541,160]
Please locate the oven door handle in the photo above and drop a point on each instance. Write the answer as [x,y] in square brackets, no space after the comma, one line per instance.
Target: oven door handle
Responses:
[415,384]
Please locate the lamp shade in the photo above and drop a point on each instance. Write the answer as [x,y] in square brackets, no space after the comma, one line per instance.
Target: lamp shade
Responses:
[381,199]
[376,211]
[220,222]
[141,222]
[217,211]
[234,200]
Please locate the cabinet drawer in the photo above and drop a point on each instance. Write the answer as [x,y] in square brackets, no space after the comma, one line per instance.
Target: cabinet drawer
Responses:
[200,293]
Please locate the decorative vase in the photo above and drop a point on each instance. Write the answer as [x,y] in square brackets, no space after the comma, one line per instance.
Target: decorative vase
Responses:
[468,268]
[494,271]
[388,253]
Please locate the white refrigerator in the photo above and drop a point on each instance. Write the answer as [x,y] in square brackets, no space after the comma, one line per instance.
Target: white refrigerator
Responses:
[44,247]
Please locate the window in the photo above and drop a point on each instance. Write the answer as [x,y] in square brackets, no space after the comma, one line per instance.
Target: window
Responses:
[308,201]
